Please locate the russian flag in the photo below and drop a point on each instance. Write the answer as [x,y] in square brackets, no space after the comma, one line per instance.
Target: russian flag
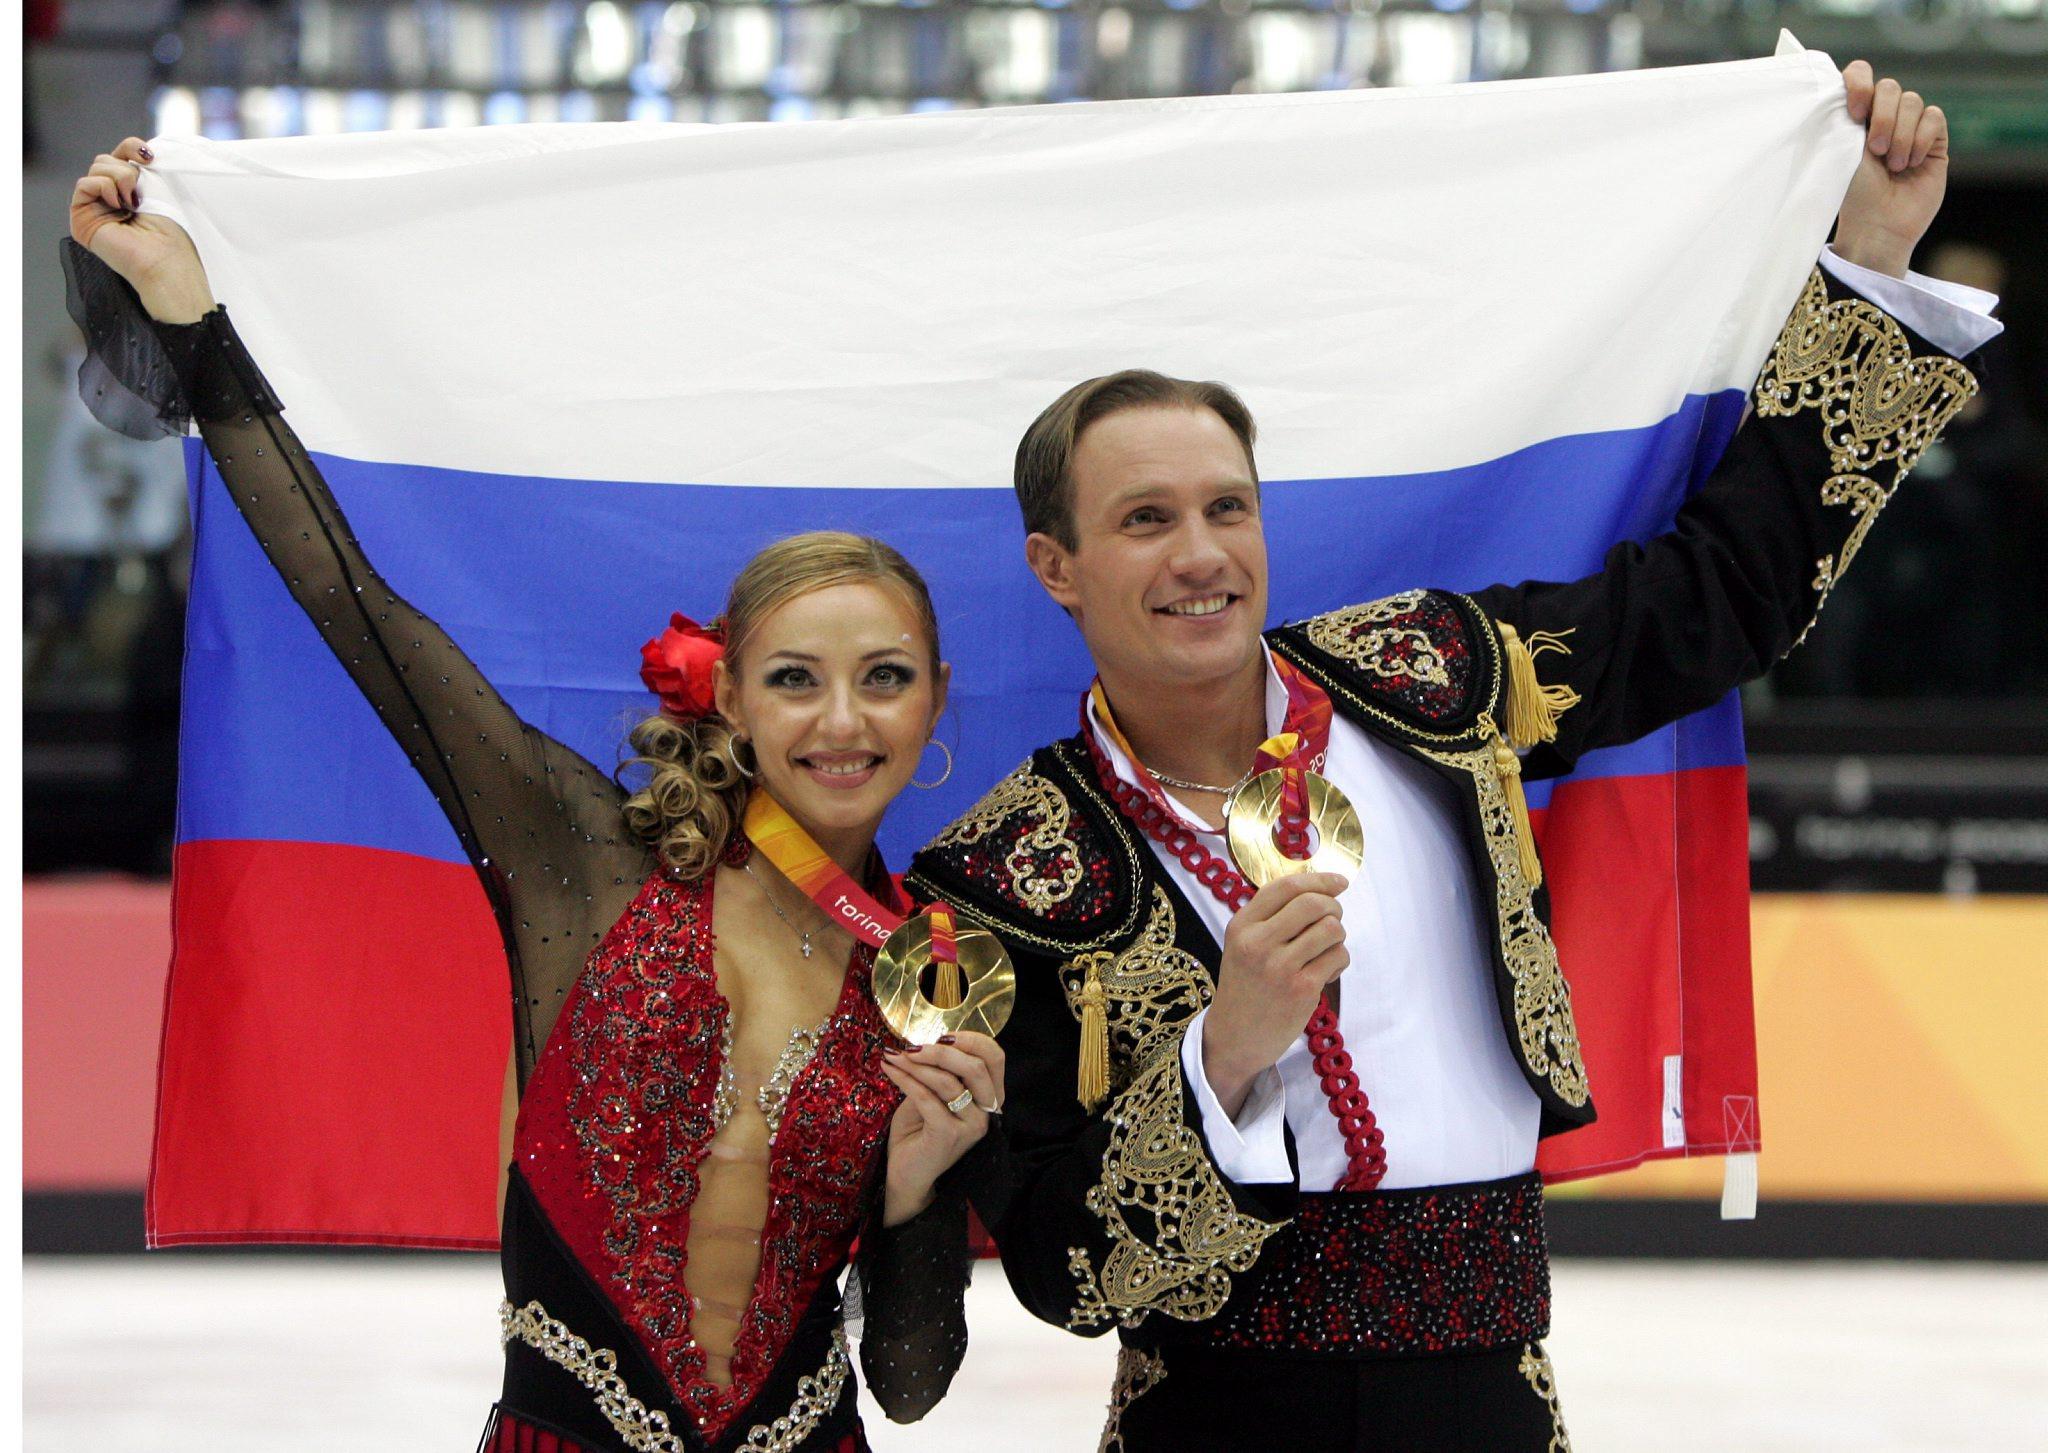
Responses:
[565,380]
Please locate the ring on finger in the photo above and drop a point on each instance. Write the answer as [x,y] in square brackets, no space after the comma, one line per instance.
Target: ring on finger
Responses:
[960,1101]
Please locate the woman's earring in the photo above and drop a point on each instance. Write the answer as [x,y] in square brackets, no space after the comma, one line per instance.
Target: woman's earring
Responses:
[741,767]
[935,742]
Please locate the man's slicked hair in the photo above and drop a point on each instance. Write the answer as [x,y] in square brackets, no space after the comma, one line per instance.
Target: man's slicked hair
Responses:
[1045,456]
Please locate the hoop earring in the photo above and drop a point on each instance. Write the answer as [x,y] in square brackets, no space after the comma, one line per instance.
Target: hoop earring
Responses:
[741,767]
[927,786]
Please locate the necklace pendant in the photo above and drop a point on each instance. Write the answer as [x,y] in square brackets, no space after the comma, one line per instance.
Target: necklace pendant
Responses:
[805,946]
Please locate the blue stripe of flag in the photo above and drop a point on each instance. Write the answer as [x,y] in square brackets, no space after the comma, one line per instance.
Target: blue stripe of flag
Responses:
[551,585]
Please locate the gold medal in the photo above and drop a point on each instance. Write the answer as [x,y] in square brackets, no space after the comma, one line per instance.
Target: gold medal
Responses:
[1254,809]
[991,983]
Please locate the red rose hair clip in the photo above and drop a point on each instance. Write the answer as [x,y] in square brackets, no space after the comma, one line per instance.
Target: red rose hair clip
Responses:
[676,666]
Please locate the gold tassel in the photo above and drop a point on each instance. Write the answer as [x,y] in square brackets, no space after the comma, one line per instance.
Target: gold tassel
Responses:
[1509,768]
[1091,1083]
[949,988]
[1533,708]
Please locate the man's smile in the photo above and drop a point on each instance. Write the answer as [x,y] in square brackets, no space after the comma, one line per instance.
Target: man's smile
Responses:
[1200,605]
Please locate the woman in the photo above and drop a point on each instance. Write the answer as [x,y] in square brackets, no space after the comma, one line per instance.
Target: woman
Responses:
[711,1107]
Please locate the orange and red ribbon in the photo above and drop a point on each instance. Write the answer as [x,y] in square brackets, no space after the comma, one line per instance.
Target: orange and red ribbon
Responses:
[782,840]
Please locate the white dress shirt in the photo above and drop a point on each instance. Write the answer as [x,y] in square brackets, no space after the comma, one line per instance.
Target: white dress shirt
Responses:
[1417,1007]
[1954,318]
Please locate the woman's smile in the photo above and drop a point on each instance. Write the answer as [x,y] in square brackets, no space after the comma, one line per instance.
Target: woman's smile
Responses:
[840,771]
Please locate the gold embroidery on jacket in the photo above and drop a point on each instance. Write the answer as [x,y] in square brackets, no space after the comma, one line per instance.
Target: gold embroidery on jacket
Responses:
[1487,648]
[1175,1236]
[1137,1373]
[644,1429]
[1342,633]
[1878,405]
[1025,794]
[1547,1034]
[1542,1377]
[1152,989]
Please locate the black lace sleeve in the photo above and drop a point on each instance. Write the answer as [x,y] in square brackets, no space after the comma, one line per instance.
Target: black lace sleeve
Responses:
[540,824]
[910,1286]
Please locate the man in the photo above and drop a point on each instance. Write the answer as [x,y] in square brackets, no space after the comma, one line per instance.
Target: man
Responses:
[1334,1240]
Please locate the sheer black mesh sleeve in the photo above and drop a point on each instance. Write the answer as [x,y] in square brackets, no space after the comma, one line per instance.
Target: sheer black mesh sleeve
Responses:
[126,381]
[910,1285]
[540,824]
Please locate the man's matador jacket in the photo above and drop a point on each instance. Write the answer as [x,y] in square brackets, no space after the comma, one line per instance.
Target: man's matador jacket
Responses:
[1117,1215]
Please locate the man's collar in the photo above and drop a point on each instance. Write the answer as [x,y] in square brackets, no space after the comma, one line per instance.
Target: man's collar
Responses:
[1276,714]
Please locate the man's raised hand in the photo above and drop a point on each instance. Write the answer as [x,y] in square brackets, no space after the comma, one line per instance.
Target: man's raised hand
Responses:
[1903,174]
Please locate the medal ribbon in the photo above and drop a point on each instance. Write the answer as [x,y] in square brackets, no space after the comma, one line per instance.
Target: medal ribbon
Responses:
[1297,749]
[781,839]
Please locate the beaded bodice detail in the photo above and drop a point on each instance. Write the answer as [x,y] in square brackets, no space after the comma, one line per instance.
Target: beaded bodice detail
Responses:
[621,1114]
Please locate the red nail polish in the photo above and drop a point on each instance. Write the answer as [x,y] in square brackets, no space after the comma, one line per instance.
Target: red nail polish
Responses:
[948,1039]
[913,1049]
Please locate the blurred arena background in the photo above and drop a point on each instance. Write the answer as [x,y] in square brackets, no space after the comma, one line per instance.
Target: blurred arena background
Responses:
[1890,1294]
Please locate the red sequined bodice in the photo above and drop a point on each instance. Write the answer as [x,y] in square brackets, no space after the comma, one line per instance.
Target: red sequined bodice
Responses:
[620,1113]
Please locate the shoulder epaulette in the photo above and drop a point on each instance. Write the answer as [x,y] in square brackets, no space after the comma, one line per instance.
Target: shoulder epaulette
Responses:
[1425,660]
[1044,858]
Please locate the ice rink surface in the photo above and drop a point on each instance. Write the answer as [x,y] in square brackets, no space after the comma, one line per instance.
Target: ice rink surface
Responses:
[176,1353]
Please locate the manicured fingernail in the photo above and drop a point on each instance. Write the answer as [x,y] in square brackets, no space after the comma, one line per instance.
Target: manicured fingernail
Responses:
[915,1048]
[947,1039]
[145,153]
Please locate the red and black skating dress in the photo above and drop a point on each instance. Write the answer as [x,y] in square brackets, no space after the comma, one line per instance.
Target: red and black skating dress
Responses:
[686,1186]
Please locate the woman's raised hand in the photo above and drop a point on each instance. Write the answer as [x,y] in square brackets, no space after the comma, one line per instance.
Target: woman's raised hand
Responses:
[927,1137]
[153,253]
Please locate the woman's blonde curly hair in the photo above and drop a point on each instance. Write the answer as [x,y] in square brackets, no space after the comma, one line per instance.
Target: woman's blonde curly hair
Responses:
[695,793]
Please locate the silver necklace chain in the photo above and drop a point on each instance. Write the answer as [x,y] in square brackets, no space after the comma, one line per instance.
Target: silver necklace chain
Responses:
[1188,786]
[803,935]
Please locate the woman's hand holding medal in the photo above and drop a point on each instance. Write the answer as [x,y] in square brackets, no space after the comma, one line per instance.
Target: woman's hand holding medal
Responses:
[951,1092]
[951,1085]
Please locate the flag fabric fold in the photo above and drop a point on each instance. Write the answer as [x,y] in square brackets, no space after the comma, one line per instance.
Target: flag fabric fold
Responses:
[566,379]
